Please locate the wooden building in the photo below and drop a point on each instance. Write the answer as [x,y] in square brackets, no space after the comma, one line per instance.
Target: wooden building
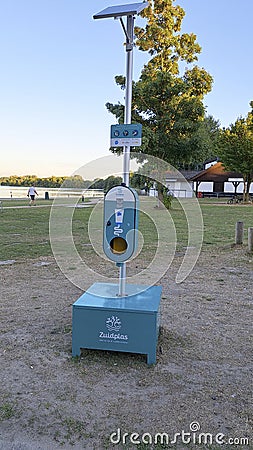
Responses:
[218,177]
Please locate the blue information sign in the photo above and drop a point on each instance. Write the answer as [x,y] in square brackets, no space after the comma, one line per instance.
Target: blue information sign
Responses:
[126,135]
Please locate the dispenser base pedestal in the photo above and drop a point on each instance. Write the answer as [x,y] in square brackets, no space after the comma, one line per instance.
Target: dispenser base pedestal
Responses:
[101,320]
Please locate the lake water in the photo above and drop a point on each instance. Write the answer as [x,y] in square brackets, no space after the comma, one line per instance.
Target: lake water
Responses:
[21,192]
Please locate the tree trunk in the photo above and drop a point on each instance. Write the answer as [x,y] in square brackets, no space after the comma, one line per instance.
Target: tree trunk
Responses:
[244,199]
[246,188]
[160,194]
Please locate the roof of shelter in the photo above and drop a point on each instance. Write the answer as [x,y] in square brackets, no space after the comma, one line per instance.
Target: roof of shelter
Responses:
[175,174]
[216,173]
[188,174]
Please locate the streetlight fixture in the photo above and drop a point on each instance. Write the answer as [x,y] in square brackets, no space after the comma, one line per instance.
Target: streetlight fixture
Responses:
[117,12]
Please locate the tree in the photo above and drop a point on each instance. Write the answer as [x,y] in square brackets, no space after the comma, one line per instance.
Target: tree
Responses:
[169,106]
[112,181]
[205,142]
[236,149]
[140,182]
[106,184]
[75,182]
[161,38]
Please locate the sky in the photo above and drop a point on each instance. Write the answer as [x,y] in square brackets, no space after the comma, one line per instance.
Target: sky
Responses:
[57,72]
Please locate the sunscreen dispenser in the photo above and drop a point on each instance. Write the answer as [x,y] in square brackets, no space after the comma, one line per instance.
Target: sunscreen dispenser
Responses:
[120,223]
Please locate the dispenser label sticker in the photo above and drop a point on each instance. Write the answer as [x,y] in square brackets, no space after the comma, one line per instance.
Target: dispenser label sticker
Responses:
[119,214]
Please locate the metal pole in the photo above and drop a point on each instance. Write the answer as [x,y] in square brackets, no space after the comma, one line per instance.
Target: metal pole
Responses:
[128,99]
[127,120]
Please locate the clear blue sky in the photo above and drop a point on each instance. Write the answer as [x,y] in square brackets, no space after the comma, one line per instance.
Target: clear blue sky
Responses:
[58,67]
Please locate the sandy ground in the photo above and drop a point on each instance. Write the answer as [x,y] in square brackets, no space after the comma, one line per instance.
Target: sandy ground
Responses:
[202,381]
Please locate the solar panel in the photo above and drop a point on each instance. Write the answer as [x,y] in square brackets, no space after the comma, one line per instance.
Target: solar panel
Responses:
[121,10]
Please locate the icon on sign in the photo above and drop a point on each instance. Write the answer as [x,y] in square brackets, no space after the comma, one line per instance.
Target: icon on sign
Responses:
[116,133]
[125,132]
[116,142]
[135,132]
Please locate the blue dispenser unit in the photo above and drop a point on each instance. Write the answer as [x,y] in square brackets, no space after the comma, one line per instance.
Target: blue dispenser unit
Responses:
[120,223]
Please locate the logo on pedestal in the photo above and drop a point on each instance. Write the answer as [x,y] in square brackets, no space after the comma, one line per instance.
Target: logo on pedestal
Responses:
[113,323]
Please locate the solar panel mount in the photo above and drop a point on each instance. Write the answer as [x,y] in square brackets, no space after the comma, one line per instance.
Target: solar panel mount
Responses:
[121,10]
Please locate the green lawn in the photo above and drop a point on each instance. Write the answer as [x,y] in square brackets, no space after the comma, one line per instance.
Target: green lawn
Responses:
[6,203]
[24,232]
[219,222]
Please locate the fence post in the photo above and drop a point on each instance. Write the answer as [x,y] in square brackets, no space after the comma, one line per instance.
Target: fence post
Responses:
[250,239]
[239,233]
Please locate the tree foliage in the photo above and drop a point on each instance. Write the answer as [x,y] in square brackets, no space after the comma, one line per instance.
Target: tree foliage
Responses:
[236,149]
[107,183]
[161,38]
[73,182]
[168,105]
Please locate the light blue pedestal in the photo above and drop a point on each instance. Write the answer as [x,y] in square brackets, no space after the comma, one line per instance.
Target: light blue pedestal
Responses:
[103,321]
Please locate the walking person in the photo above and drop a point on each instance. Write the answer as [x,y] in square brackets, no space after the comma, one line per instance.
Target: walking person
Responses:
[31,193]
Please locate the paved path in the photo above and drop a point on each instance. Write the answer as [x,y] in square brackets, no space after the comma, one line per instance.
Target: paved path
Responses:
[79,205]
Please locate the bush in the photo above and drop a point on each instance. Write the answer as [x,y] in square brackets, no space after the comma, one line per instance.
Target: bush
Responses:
[167,198]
